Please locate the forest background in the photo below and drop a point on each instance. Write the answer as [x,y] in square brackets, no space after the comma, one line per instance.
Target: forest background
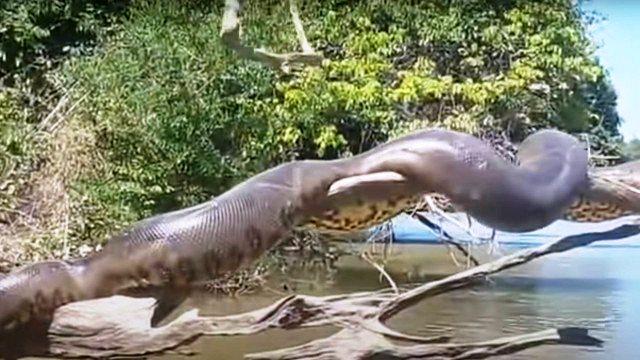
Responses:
[112,111]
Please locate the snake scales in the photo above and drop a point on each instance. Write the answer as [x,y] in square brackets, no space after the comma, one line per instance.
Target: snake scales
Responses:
[183,247]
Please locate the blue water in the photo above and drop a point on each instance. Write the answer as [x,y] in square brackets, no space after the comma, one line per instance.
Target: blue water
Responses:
[410,230]
[597,287]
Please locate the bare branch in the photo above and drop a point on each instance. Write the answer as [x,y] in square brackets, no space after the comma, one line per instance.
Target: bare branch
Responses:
[447,240]
[381,270]
[297,23]
[230,35]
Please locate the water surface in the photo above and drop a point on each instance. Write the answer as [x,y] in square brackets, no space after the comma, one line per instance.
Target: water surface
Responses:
[594,287]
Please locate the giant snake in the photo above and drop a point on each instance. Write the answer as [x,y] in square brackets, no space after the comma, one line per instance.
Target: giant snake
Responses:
[180,248]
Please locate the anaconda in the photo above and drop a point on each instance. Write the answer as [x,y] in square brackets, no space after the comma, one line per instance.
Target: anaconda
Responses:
[220,236]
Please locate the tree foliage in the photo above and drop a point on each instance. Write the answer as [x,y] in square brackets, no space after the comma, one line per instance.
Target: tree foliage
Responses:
[177,118]
[17,150]
[36,34]
[632,150]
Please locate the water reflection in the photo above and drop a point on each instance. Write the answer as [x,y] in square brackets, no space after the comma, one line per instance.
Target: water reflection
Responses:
[594,288]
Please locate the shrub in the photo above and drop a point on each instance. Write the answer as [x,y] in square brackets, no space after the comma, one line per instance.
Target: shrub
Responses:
[172,117]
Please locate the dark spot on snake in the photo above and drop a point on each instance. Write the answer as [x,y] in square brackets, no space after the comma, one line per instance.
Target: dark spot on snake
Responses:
[286,215]
[186,268]
[164,274]
[72,297]
[40,299]
[142,272]
[208,262]
[236,255]
[217,263]
[255,239]
[57,298]
[273,238]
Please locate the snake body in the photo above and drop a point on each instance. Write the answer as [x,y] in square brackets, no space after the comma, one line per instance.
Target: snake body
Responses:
[222,235]
[613,192]
[551,176]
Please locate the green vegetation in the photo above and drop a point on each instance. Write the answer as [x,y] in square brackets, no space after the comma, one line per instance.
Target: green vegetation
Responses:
[37,34]
[16,144]
[631,150]
[158,114]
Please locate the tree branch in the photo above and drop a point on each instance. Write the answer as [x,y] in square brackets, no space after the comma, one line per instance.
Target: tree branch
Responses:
[230,35]
[297,23]
[446,238]
[365,256]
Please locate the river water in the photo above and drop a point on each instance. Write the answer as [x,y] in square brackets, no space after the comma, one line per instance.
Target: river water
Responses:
[594,287]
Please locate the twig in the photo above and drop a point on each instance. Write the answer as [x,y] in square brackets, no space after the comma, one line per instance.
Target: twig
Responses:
[442,235]
[447,239]
[434,208]
[54,112]
[364,256]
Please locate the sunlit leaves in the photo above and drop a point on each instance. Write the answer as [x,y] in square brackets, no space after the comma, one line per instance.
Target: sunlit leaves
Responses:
[179,118]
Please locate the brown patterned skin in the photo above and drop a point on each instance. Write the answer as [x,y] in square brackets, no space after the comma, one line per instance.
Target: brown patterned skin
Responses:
[610,195]
[585,210]
[613,192]
[184,247]
[180,248]
[361,217]
[582,210]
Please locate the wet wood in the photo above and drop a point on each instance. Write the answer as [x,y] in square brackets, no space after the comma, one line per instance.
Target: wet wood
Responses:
[358,344]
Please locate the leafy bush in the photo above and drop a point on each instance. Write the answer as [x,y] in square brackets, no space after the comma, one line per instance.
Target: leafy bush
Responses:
[35,33]
[17,152]
[632,150]
[175,117]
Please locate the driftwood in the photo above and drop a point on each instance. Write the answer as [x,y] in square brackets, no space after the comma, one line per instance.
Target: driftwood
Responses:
[359,344]
[120,326]
[230,35]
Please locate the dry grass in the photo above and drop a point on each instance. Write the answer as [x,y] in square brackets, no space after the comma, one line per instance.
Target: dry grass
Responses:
[39,223]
